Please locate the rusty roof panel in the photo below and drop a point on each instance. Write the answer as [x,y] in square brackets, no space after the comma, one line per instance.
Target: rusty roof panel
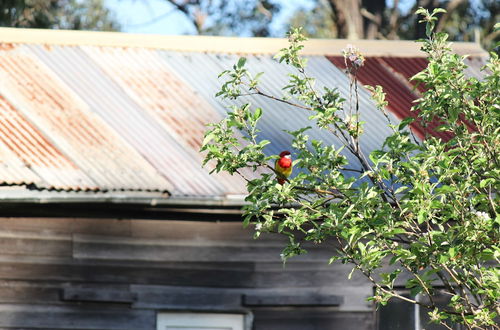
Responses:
[36,153]
[57,113]
[149,106]
[164,97]
[399,93]
[407,67]
[13,170]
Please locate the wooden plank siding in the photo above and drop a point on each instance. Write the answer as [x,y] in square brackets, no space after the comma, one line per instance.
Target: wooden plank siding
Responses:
[78,273]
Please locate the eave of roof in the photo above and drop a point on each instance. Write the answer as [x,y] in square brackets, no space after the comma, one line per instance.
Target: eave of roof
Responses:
[227,45]
[23,195]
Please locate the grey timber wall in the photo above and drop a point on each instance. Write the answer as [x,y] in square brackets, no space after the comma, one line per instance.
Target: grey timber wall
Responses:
[78,273]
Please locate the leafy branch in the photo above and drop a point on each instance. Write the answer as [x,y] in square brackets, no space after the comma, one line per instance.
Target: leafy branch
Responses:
[426,209]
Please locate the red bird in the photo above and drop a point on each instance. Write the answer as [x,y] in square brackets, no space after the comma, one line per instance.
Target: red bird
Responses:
[283,166]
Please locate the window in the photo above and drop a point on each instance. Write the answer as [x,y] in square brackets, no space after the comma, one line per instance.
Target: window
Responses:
[199,321]
[399,314]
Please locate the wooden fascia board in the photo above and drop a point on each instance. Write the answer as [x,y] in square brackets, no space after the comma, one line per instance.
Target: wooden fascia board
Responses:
[225,45]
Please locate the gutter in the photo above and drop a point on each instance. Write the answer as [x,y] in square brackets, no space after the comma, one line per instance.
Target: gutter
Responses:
[147,198]
[16,201]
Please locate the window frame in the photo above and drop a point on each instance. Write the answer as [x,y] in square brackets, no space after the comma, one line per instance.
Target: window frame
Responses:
[235,321]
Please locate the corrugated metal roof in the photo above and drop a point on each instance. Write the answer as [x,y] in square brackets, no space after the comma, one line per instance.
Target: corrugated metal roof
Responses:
[97,117]
[142,119]
[400,94]
[407,68]
[278,116]
[69,127]
[34,154]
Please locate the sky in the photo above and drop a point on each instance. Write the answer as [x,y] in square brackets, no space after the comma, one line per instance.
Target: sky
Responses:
[158,17]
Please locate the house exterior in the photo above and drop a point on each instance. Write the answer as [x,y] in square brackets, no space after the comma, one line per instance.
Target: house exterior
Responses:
[108,220]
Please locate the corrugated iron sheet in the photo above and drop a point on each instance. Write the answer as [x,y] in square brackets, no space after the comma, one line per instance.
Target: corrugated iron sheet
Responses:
[130,118]
[475,65]
[35,154]
[154,138]
[407,67]
[66,126]
[400,95]
[177,109]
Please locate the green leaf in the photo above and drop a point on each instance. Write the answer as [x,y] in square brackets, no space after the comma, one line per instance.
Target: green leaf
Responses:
[444,189]
[486,182]
[208,137]
[396,231]
[422,216]
[371,194]
[405,122]
[298,132]
[438,10]
[452,252]
[362,248]
[443,258]
[422,11]
[241,62]
[264,143]
[257,114]
[223,73]
[401,189]
[393,260]
[416,290]
[428,29]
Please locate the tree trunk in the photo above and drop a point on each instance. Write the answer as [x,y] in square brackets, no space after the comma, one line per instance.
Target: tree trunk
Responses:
[349,20]
[373,18]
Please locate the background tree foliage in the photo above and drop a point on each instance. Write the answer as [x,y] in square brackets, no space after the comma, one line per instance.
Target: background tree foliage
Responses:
[464,20]
[57,14]
[422,212]
[228,17]
[354,19]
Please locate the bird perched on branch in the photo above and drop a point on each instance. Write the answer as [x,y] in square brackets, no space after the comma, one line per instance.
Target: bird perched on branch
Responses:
[283,166]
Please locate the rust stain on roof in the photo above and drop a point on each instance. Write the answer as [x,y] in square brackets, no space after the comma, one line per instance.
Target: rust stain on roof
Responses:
[36,152]
[54,110]
[164,95]
[407,67]
[399,93]
[144,76]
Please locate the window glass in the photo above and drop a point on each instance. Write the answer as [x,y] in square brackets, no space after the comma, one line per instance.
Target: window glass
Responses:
[396,315]
[199,321]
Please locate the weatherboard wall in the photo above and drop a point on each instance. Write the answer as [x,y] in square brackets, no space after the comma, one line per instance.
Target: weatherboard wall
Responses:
[82,273]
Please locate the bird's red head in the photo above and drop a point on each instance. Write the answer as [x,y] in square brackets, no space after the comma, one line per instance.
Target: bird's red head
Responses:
[284,153]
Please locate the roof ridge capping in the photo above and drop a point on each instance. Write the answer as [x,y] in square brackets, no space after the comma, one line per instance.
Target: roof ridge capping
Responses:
[231,45]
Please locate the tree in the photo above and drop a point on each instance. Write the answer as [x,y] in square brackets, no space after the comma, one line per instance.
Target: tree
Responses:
[429,209]
[465,20]
[226,17]
[57,14]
